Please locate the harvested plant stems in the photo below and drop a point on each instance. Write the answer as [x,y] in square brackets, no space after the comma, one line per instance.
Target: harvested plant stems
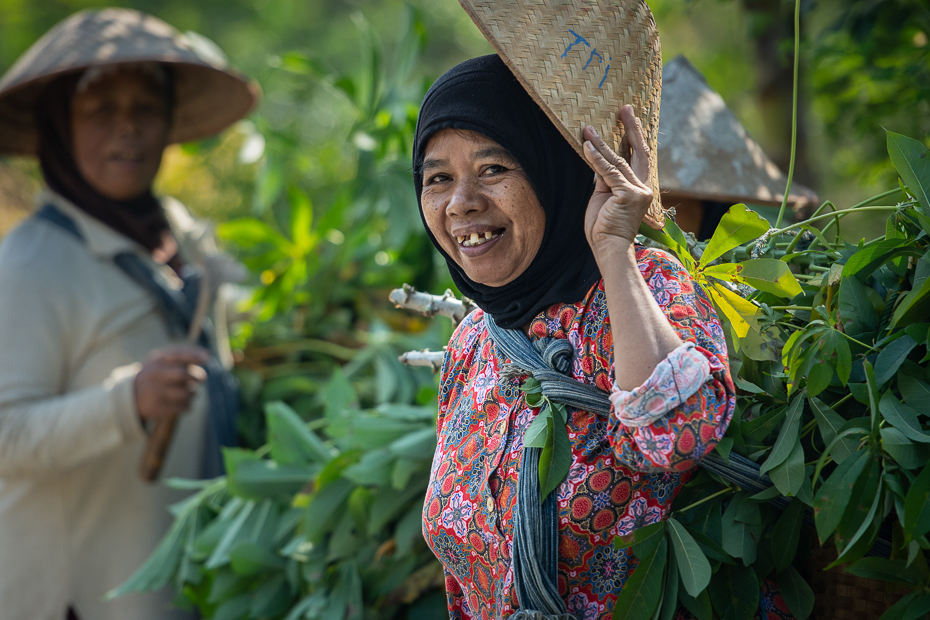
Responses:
[429,359]
[445,305]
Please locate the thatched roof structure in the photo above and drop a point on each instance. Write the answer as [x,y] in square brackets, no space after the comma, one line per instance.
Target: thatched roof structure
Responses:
[705,153]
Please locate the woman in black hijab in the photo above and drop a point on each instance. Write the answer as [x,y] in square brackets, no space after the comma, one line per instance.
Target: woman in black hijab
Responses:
[548,249]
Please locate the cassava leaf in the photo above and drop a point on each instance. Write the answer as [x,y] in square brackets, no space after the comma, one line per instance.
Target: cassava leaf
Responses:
[832,498]
[788,436]
[739,225]
[692,564]
[556,458]
[796,592]
[902,418]
[912,161]
[786,535]
[640,595]
[891,358]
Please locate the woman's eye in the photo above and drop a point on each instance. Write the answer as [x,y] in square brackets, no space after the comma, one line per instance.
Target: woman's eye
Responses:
[495,169]
[436,178]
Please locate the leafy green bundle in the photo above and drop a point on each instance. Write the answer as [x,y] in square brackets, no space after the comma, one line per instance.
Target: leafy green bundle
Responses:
[829,350]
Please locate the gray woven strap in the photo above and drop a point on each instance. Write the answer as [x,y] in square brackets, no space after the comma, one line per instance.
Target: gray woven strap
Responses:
[536,525]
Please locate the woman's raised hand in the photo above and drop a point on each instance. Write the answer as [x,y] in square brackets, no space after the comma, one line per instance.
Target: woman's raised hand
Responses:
[622,194]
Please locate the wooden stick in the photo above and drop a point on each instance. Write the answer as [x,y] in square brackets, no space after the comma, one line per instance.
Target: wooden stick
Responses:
[430,305]
[429,359]
[160,439]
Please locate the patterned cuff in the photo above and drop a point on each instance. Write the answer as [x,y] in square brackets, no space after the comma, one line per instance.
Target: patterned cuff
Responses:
[673,381]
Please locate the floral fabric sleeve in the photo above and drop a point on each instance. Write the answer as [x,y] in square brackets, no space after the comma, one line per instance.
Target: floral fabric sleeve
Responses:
[682,410]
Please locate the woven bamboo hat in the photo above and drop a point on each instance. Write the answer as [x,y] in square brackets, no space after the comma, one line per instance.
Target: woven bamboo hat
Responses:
[581,61]
[209,97]
[706,154]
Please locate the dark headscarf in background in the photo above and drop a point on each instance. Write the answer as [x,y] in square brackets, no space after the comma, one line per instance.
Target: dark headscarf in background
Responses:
[142,218]
[483,96]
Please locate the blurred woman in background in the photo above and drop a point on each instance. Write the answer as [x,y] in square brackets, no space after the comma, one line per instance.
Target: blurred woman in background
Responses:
[96,302]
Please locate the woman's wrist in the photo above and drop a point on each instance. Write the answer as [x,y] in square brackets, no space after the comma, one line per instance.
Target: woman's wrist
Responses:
[613,252]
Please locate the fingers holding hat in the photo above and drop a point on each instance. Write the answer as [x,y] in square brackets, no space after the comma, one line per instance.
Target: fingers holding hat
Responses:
[622,194]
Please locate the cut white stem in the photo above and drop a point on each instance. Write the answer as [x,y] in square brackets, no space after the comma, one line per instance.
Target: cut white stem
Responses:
[425,358]
[430,305]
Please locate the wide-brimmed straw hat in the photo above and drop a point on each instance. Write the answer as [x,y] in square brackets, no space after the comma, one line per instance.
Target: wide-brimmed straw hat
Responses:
[209,96]
[581,61]
[704,151]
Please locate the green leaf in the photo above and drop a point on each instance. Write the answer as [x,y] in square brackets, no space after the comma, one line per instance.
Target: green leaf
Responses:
[643,540]
[796,593]
[912,161]
[856,311]
[737,536]
[669,605]
[235,608]
[902,418]
[891,358]
[860,514]
[710,547]
[899,610]
[248,559]
[700,607]
[872,386]
[724,446]
[537,434]
[789,475]
[323,506]
[272,598]
[770,275]
[917,506]
[819,376]
[914,306]
[869,259]
[420,444]
[249,233]
[829,422]
[735,592]
[788,436]
[556,458]
[786,535]
[832,498]
[905,452]
[301,219]
[640,595]
[739,225]
[692,564]
[289,440]
[679,244]
[895,571]
[834,342]
[916,393]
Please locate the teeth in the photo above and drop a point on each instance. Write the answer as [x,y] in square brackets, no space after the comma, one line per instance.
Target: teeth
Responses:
[475,239]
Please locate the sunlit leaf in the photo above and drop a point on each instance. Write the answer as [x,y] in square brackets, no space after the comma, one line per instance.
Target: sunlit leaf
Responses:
[741,313]
[739,225]
[770,275]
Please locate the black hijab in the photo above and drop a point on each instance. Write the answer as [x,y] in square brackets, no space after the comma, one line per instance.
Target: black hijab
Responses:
[142,218]
[483,96]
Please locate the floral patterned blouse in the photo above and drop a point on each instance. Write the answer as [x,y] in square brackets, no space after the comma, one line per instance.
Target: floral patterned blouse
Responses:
[625,471]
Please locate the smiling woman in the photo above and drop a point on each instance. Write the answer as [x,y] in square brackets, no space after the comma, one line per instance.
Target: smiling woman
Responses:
[547,251]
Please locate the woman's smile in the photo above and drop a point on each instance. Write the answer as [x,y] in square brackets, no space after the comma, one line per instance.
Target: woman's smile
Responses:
[480,206]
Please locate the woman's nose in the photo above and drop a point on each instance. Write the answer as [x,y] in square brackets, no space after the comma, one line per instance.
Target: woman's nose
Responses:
[466,198]
[128,124]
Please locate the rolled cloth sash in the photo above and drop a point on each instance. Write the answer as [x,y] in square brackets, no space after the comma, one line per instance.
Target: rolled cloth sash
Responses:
[536,523]
[177,308]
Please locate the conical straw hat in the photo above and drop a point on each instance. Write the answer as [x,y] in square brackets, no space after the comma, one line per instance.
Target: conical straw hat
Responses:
[209,97]
[704,151]
[581,61]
